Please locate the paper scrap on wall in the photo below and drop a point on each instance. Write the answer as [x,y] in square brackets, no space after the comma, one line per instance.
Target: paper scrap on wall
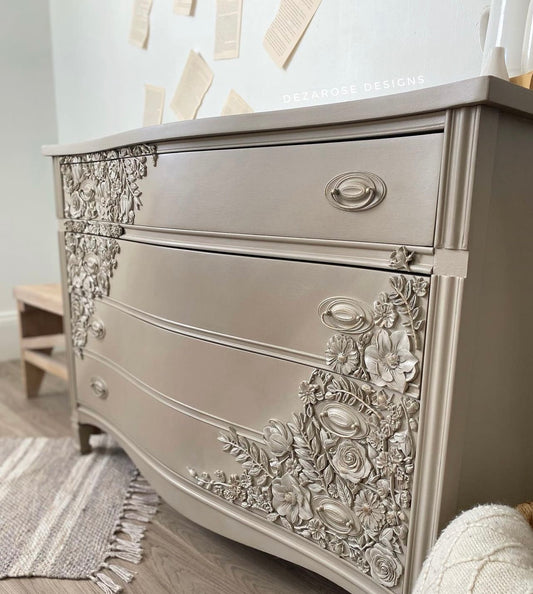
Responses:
[140,23]
[154,101]
[183,7]
[288,27]
[192,87]
[228,29]
[235,104]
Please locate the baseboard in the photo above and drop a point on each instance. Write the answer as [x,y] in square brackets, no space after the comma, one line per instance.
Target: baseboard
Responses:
[9,336]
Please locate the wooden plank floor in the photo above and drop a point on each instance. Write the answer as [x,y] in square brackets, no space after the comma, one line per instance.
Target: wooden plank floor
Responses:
[180,557]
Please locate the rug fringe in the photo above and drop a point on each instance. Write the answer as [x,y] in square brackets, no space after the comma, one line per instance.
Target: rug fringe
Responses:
[105,583]
[134,531]
[140,504]
[124,574]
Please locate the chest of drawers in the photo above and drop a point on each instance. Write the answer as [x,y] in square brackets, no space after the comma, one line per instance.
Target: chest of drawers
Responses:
[311,329]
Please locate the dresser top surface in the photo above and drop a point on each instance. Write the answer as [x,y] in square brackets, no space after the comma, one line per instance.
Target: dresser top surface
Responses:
[475,91]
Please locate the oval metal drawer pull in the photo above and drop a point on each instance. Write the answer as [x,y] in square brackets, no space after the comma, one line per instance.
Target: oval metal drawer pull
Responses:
[99,387]
[356,191]
[97,329]
[346,314]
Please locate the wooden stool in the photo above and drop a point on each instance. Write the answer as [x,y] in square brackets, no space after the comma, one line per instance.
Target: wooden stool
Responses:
[40,311]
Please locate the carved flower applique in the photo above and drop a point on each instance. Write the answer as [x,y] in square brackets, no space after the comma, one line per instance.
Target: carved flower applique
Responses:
[384,313]
[307,392]
[401,258]
[384,567]
[369,509]
[290,499]
[420,286]
[389,360]
[87,189]
[316,530]
[278,438]
[72,175]
[74,206]
[404,499]
[342,354]
[351,461]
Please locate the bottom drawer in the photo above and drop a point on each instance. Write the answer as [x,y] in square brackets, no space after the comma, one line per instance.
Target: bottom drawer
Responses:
[338,472]
[175,439]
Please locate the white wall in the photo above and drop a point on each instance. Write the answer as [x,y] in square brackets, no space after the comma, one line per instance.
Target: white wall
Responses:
[357,44]
[28,240]
[362,46]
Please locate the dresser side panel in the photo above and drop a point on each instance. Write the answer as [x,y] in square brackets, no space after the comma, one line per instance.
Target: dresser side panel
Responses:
[58,188]
[451,340]
[498,441]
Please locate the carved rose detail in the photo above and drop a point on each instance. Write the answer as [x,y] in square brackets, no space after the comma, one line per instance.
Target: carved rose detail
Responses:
[384,567]
[351,461]
[389,360]
[104,185]
[338,474]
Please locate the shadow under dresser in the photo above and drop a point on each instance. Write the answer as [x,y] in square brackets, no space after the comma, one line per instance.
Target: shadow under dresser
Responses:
[311,329]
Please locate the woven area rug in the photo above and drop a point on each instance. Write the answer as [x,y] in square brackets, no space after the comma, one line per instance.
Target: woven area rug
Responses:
[63,515]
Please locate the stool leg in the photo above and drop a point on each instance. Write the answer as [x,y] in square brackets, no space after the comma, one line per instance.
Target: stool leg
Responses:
[32,376]
[35,322]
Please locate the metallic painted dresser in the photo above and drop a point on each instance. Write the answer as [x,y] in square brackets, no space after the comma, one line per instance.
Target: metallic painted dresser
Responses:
[311,329]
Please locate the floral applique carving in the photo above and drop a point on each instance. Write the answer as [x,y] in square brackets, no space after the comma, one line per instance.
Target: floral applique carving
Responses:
[339,473]
[90,263]
[103,186]
[100,194]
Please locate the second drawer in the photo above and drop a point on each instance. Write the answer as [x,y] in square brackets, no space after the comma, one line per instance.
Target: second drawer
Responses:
[357,322]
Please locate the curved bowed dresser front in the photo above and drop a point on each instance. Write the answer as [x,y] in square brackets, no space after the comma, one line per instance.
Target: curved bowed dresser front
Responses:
[310,329]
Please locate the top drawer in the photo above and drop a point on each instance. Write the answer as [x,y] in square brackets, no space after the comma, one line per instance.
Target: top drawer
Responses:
[382,190]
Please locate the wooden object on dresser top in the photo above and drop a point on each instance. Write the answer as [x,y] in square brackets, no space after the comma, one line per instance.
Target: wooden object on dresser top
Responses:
[524,80]
[40,313]
[307,327]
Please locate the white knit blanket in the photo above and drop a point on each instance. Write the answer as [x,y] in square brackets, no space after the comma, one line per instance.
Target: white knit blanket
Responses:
[486,550]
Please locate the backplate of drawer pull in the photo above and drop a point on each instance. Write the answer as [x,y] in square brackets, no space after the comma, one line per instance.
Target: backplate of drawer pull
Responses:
[99,387]
[346,314]
[97,329]
[356,191]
